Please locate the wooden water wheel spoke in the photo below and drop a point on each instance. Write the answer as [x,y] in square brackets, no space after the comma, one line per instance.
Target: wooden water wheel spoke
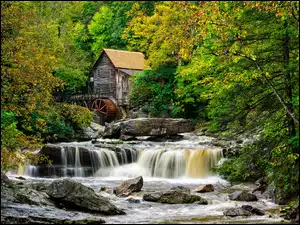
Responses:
[101,108]
[104,113]
[105,107]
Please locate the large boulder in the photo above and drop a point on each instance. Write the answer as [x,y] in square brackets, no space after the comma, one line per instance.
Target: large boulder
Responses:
[204,188]
[181,189]
[29,219]
[232,212]
[129,186]
[253,210]
[176,195]
[152,197]
[93,131]
[242,196]
[24,194]
[4,179]
[75,195]
[148,127]
[245,210]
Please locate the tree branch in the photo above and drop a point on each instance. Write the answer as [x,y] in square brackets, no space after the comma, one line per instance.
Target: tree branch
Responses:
[274,90]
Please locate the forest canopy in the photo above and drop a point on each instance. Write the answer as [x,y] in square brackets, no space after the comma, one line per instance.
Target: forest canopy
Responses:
[231,66]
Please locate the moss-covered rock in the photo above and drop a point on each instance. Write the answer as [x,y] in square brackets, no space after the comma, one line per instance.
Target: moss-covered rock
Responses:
[242,196]
[176,195]
[74,195]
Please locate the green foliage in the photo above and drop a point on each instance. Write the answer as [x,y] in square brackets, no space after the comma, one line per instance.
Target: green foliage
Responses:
[152,90]
[9,131]
[107,25]
[271,156]
[80,117]
[74,79]
[234,65]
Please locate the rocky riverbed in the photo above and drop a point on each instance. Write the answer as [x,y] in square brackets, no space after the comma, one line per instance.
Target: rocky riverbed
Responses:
[148,180]
[36,200]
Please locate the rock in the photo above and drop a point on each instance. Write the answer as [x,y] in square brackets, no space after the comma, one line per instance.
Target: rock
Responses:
[133,200]
[91,132]
[176,137]
[44,220]
[31,197]
[21,178]
[253,210]
[127,138]
[5,179]
[176,195]
[181,189]
[40,186]
[103,188]
[74,195]
[204,188]
[292,213]
[236,212]
[129,186]
[242,196]
[262,185]
[148,127]
[152,197]
[24,194]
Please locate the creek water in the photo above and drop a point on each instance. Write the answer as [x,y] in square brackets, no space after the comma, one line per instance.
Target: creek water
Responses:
[187,162]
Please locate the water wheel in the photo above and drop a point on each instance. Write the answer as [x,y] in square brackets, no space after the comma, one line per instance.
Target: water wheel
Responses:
[106,108]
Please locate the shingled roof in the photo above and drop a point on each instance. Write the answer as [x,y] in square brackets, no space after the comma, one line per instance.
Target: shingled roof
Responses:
[126,59]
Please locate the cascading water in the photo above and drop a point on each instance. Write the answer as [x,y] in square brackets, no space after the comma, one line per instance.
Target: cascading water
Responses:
[162,160]
[163,165]
[195,163]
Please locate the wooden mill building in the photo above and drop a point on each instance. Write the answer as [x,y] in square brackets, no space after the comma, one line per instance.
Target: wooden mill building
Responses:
[110,74]
[109,84]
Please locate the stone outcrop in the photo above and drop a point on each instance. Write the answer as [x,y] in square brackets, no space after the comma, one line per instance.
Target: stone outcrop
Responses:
[28,219]
[204,188]
[245,210]
[129,186]
[152,197]
[74,195]
[4,179]
[91,132]
[148,127]
[242,196]
[23,203]
[133,200]
[176,195]
[232,212]
[253,210]
[24,194]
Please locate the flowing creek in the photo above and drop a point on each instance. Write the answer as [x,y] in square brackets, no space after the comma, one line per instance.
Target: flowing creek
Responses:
[163,165]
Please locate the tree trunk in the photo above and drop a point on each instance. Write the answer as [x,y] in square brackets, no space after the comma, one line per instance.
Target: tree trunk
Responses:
[288,83]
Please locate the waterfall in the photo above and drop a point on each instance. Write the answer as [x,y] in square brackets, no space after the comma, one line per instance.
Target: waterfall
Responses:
[31,171]
[200,162]
[178,163]
[163,160]
[79,172]
[64,161]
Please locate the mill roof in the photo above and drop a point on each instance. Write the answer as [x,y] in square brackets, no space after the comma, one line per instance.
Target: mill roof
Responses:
[126,59]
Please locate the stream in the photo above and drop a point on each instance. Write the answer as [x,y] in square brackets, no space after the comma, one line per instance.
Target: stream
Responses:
[186,162]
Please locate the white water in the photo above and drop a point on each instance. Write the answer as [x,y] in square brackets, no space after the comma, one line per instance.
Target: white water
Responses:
[163,165]
[187,158]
